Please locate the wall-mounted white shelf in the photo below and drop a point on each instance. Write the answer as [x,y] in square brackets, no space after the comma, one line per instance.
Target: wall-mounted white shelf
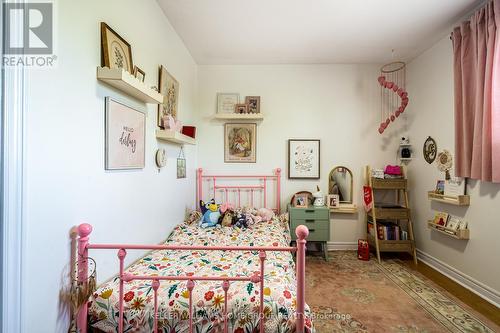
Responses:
[173,136]
[457,234]
[460,200]
[344,209]
[127,83]
[239,116]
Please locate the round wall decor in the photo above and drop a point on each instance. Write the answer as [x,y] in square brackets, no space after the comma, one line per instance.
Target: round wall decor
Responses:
[430,150]
[161,158]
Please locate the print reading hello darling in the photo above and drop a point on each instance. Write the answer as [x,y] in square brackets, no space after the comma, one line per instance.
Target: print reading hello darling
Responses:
[125,139]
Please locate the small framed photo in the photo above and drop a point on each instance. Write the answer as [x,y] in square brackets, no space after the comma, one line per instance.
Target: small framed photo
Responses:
[226,102]
[253,103]
[301,200]
[116,51]
[333,200]
[440,187]
[241,108]
[139,74]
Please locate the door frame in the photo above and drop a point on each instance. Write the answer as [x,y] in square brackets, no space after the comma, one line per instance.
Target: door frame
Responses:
[12,190]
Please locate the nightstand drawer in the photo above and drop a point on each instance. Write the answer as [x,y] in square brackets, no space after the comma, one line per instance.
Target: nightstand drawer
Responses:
[309,213]
[311,224]
[315,235]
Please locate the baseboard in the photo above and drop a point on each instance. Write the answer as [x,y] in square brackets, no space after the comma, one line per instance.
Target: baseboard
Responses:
[339,246]
[488,294]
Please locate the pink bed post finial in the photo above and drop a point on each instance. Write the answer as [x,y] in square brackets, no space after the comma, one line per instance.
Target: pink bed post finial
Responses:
[278,189]
[84,231]
[155,285]
[302,232]
[121,256]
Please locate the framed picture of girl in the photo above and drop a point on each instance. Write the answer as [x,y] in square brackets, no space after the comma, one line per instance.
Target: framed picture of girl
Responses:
[240,143]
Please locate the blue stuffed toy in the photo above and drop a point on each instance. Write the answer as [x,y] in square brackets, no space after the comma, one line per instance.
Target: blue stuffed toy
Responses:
[211,214]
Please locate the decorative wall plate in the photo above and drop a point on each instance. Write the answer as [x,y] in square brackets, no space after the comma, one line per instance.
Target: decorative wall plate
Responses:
[445,162]
[430,150]
[161,158]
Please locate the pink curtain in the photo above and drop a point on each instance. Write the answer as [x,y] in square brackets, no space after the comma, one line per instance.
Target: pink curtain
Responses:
[477,101]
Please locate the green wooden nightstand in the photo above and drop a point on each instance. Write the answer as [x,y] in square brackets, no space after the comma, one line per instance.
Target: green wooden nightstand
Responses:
[317,219]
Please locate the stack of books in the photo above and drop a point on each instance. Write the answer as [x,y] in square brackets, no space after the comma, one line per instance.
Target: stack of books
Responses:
[387,231]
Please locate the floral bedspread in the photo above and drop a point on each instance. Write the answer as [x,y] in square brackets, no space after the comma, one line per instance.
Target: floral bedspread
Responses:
[208,296]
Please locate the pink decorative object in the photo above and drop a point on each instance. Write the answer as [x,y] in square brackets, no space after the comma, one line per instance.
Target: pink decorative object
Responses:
[397,113]
[174,125]
[226,206]
[393,117]
[265,213]
[387,121]
[381,80]
[395,87]
[381,130]
[390,85]
[383,125]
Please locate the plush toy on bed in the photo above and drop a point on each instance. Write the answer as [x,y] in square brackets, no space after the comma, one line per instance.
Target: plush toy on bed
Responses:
[211,214]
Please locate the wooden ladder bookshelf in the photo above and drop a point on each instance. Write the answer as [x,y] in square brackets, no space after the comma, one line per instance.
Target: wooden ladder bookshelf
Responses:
[400,211]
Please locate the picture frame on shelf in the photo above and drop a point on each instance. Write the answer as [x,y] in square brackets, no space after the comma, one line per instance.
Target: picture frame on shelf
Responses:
[241,108]
[125,136]
[333,201]
[240,143]
[455,186]
[304,159]
[116,52]
[441,218]
[226,102]
[169,88]
[439,187]
[253,103]
[454,222]
[139,74]
[301,200]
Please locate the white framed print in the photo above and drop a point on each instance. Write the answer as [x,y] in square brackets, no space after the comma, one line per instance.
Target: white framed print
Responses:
[125,136]
[303,159]
[226,102]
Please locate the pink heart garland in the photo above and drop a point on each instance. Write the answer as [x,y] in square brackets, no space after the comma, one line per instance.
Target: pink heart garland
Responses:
[404,101]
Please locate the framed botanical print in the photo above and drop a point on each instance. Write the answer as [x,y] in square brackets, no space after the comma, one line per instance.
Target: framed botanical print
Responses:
[125,136]
[303,159]
[116,51]
[226,102]
[240,143]
[169,88]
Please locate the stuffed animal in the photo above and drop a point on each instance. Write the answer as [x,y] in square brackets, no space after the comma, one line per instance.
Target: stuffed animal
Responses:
[211,214]
[225,207]
[265,213]
[227,220]
[192,217]
[240,220]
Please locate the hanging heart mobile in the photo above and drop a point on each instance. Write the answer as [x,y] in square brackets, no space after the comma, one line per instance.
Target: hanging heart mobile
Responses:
[392,86]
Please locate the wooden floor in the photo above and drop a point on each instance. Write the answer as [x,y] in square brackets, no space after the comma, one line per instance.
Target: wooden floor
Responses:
[468,297]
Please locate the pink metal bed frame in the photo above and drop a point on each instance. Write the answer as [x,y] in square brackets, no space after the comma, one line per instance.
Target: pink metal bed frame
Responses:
[302,232]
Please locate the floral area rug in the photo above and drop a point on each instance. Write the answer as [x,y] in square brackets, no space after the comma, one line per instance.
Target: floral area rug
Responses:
[349,295]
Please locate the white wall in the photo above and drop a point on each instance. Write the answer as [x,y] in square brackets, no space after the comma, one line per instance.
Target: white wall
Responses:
[430,112]
[338,104]
[66,183]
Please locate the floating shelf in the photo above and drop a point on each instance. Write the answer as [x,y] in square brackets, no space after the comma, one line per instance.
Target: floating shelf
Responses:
[173,136]
[347,209]
[457,234]
[126,82]
[239,116]
[461,200]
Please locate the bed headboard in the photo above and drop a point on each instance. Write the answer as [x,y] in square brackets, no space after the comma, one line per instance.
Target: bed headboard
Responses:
[241,190]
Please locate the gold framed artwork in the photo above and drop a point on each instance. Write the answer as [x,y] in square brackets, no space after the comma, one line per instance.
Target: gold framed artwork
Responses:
[116,52]
[169,88]
[240,143]
[139,74]
[253,103]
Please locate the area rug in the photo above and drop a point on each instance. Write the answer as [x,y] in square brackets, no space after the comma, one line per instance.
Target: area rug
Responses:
[349,295]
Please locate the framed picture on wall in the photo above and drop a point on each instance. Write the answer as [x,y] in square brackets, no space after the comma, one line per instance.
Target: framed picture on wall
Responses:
[253,103]
[125,136]
[303,159]
[169,88]
[226,102]
[240,143]
[116,51]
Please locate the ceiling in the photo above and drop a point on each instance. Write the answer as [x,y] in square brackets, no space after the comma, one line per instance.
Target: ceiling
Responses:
[311,31]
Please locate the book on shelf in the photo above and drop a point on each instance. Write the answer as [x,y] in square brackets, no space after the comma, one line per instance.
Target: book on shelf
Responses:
[441,218]
[385,231]
[454,186]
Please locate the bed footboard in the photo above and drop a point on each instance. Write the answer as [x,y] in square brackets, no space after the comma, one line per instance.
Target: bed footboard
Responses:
[84,245]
